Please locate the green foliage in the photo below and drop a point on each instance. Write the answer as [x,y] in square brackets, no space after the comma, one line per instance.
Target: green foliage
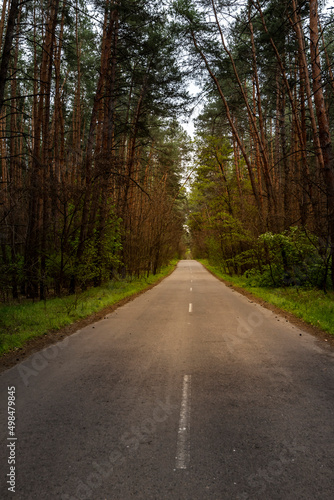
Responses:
[216,212]
[101,253]
[290,258]
[224,228]
[100,256]
[221,227]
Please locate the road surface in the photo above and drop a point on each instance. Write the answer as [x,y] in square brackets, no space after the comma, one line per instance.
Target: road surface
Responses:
[191,391]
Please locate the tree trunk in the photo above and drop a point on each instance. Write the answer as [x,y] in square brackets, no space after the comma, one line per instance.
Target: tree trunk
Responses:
[7,46]
[323,124]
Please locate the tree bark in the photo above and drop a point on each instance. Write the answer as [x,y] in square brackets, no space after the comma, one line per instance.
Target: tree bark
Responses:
[7,47]
[323,124]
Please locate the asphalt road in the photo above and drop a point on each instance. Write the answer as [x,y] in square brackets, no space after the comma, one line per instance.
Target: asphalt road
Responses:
[191,391]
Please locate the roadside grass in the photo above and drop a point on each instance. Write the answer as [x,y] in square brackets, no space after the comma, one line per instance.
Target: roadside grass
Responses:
[311,305]
[21,322]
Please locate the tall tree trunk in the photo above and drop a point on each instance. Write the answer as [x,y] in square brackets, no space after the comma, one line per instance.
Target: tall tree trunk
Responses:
[271,197]
[46,160]
[7,46]
[95,138]
[259,135]
[2,21]
[323,124]
[280,61]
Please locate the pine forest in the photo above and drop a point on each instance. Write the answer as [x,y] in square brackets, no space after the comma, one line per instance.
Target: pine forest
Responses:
[100,180]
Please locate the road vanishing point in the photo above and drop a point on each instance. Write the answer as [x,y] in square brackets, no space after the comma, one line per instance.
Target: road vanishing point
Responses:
[190,391]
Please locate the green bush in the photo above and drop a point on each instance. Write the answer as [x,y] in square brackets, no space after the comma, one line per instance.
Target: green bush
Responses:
[293,258]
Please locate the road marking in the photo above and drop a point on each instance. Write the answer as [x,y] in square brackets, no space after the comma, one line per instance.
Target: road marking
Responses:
[191,289]
[183,441]
[190,308]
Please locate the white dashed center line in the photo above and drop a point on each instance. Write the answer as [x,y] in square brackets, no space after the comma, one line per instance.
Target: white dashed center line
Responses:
[183,439]
[190,308]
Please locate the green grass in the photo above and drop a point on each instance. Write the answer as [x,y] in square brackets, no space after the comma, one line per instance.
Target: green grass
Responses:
[310,305]
[21,322]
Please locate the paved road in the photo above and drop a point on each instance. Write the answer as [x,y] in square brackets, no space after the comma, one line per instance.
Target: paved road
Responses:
[191,392]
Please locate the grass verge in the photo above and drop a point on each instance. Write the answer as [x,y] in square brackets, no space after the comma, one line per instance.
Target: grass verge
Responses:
[310,305]
[20,323]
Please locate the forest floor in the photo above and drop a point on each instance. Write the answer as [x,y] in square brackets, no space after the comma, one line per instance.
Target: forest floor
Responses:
[28,328]
[309,309]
